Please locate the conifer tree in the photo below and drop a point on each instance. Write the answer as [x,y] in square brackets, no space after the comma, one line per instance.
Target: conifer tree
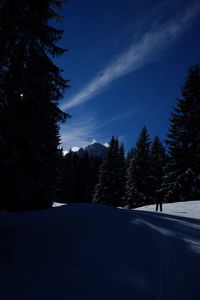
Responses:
[31,87]
[158,161]
[110,187]
[129,156]
[121,176]
[92,180]
[139,181]
[69,180]
[183,169]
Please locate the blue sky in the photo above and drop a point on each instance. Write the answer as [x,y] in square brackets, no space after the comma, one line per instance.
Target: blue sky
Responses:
[126,63]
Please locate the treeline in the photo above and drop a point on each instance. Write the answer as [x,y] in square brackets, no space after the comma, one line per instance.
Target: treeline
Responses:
[149,172]
[115,179]
[79,175]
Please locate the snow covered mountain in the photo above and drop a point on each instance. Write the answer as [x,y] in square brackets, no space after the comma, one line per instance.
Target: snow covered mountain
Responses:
[92,251]
[95,149]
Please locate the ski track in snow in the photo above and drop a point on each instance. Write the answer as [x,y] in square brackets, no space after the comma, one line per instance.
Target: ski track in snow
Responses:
[91,251]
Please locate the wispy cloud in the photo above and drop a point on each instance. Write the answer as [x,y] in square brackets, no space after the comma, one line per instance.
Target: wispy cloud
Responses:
[141,52]
[82,131]
[78,132]
[116,118]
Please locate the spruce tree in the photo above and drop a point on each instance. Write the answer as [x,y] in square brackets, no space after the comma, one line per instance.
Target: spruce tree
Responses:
[182,180]
[31,87]
[92,180]
[158,161]
[68,177]
[129,156]
[110,187]
[121,173]
[139,181]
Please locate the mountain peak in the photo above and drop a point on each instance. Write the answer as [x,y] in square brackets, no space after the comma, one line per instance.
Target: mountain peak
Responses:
[95,149]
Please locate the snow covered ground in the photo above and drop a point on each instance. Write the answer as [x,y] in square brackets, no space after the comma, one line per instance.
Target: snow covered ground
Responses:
[91,251]
[57,204]
[190,209]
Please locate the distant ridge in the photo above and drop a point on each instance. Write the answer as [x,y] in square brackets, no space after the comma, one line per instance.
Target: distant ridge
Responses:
[95,149]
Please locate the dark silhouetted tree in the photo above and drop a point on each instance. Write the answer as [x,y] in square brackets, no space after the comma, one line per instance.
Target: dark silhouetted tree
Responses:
[158,162]
[31,87]
[139,181]
[111,182]
[129,156]
[182,180]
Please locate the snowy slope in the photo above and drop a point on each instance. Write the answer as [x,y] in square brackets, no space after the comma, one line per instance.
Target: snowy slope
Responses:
[190,209]
[90,251]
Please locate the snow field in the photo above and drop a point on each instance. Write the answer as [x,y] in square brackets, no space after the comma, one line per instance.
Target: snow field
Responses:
[91,251]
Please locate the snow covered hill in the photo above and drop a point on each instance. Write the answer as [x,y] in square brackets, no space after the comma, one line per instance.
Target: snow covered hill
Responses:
[90,251]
